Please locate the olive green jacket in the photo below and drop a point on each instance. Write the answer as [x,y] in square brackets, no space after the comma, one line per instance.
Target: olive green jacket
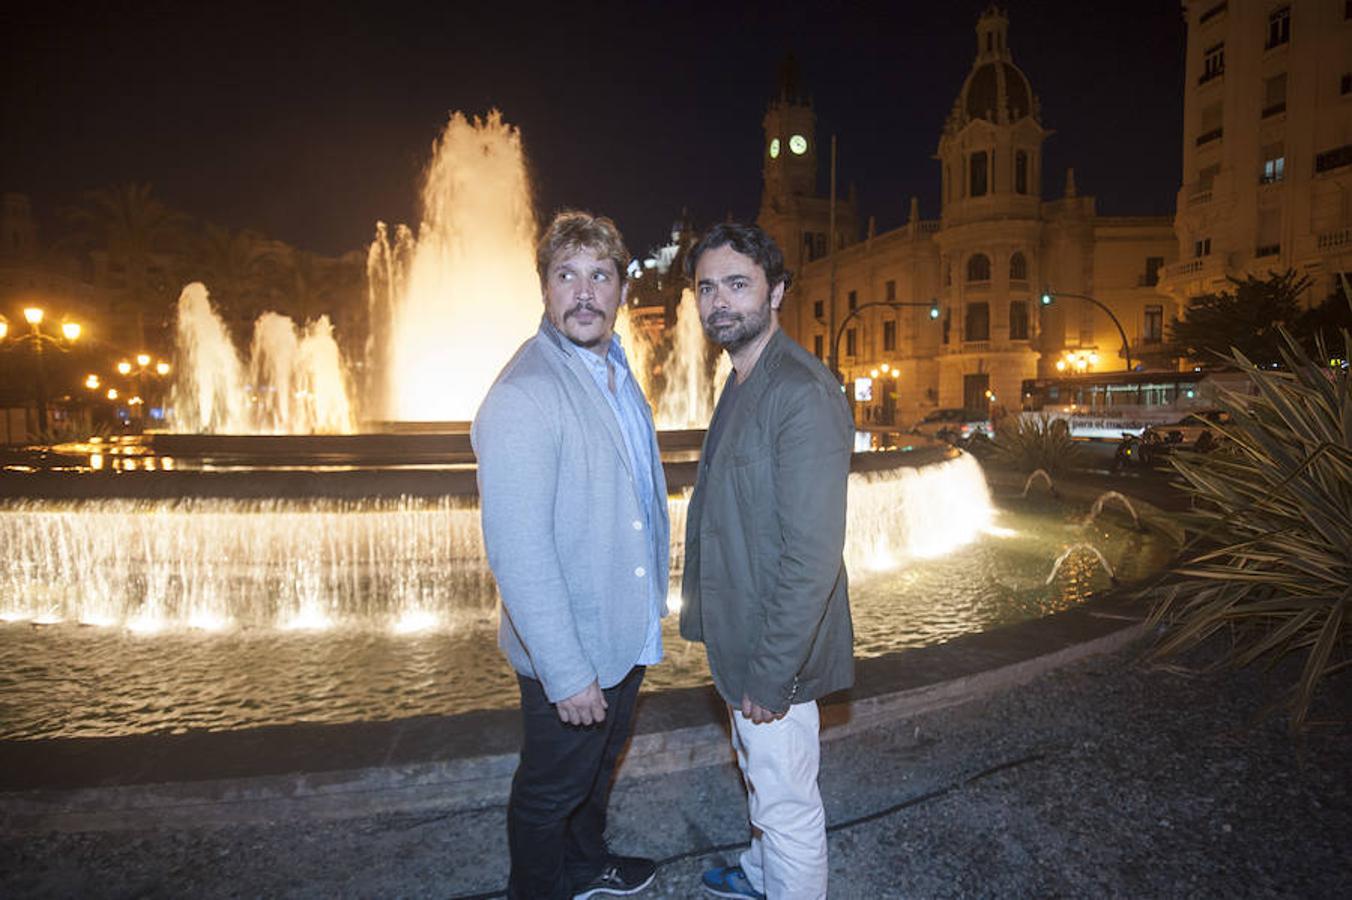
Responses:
[764,586]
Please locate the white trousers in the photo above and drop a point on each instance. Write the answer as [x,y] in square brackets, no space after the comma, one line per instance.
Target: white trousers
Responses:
[779,762]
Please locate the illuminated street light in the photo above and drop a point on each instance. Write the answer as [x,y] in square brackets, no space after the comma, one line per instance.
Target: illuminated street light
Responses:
[112,393]
[124,368]
[71,330]
[33,314]
[143,359]
[4,327]
[92,382]
[161,368]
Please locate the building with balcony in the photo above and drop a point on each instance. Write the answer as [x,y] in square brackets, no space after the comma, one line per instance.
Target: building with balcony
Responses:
[1267,145]
[983,263]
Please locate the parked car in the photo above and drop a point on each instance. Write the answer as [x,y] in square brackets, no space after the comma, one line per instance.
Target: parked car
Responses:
[953,425]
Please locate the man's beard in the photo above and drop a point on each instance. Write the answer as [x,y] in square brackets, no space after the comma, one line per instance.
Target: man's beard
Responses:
[733,331]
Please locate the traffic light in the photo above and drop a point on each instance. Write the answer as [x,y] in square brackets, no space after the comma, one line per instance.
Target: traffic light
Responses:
[934,309]
[1047,297]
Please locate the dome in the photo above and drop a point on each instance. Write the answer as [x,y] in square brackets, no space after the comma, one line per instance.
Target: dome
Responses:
[997,91]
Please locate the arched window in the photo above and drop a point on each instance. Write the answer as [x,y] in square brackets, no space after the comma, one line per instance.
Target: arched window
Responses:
[1018,267]
[979,267]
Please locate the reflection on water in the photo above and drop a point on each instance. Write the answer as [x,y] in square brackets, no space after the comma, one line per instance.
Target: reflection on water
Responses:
[64,680]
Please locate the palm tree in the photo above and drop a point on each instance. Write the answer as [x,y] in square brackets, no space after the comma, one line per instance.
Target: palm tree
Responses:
[234,265]
[134,229]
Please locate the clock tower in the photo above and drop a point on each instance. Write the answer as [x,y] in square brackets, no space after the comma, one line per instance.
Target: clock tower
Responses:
[792,210]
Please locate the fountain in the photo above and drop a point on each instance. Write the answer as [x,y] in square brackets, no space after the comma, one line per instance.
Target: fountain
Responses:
[317,573]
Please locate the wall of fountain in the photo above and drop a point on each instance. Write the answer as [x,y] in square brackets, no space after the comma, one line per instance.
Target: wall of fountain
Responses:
[372,563]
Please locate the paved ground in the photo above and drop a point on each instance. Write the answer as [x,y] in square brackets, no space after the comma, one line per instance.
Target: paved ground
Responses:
[1104,778]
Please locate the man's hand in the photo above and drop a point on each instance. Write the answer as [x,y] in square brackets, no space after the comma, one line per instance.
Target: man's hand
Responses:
[586,707]
[758,714]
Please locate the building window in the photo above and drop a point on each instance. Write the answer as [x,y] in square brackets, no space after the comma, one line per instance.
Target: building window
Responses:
[1274,164]
[817,343]
[1154,325]
[1206,177]
[1213,63]
[978,322]
[1018,267]
[1209,128]
[850,348]
[1211,13]
[854,300]
[977,164]
[1279,28]
[1153,264]
[948,273]
[889,335]
[1274,95]
[948,324]
[1020,172]
[1201,248]
[1345,85]
[979,268]
[1333,159]
[1018,320]
[818,309]
[1268,238]
[890,291]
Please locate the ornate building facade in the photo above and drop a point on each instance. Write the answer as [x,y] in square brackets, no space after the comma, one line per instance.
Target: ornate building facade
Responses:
[961,324]
[1267,145]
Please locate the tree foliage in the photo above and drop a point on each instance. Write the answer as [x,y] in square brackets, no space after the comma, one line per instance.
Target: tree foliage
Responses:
[1245,319]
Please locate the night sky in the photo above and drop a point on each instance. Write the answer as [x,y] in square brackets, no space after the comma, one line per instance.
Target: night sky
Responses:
[310,122]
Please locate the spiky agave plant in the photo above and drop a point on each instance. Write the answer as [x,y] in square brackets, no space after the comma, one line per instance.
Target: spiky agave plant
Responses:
[1271,560]
[1029,443]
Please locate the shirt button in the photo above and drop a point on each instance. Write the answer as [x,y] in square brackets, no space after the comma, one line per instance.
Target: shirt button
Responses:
[640,572]
[638,526]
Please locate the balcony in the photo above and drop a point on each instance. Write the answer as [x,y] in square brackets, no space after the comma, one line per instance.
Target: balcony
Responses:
[1209,136]
[1333,159]
[1273,110]
[1199,198]
[1202,267]
[1334,240]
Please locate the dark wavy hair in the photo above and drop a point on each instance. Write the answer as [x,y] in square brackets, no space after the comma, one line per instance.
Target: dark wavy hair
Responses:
[748,240]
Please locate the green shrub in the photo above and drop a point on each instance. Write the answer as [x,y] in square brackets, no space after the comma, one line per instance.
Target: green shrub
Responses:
[1029,443]
[1270,563]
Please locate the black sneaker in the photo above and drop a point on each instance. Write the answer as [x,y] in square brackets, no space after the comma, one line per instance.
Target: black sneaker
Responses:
[619,876]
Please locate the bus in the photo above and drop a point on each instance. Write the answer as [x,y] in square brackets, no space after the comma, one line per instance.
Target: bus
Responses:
[1117,403]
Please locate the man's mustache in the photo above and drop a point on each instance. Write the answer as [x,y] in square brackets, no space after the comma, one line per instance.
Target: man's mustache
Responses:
[722,318]
[584,307]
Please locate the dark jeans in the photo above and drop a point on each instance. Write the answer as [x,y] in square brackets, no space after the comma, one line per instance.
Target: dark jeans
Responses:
[556,817]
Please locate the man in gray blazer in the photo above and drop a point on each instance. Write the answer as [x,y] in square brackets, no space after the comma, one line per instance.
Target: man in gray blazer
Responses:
[764,585]
[574,511]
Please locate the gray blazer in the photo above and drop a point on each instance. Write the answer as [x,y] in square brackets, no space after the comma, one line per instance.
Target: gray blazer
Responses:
[562,524]
[765,587]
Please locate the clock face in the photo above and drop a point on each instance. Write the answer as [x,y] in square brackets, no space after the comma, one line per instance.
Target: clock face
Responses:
[798,144]
[774,148]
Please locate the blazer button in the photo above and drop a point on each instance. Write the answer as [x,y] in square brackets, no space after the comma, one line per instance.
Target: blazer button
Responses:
[638,526]
[640,572]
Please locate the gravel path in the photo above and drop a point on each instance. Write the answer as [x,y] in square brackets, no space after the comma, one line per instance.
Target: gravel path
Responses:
[1106,778]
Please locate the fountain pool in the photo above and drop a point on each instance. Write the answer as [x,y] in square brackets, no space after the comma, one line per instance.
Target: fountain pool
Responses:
[224,614]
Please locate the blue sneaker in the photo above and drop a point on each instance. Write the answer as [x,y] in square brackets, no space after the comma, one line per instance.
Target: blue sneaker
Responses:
[729,881]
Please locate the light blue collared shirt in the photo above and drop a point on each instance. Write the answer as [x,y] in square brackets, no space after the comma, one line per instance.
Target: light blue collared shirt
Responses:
[631,412]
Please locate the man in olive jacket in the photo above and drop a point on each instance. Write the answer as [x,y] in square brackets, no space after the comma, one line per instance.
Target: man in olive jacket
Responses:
[764,586]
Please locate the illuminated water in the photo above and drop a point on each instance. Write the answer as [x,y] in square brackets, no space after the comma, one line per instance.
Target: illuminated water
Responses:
[293,383]
[227,614]
[451,303]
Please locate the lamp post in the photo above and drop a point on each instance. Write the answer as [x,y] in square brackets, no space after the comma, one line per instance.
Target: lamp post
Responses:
[1048,296]
[932,306]
[38,340]
[136,372]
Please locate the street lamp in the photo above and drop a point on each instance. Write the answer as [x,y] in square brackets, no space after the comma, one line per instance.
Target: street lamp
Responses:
[1049,296]
[932,306]
[137,372]
[38,340]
